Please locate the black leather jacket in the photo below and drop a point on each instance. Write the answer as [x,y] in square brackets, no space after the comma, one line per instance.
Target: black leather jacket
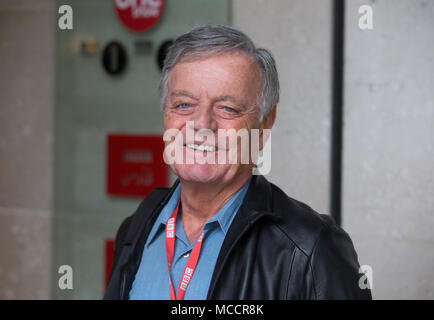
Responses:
[275,248]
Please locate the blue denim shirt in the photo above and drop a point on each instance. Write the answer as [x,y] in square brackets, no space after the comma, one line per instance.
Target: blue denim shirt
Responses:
[152,279]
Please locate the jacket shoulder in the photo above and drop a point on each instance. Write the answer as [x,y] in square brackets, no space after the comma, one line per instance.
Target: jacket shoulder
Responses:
[329,250]
[127,231]
[301,224]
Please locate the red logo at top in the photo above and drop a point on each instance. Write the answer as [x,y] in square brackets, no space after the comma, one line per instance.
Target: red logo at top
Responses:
[139,15]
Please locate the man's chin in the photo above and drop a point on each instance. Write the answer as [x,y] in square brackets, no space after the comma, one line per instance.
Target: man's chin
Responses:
[200,173]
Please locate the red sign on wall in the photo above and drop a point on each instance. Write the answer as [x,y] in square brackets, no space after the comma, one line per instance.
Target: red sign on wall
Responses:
[139,15]
[135,164]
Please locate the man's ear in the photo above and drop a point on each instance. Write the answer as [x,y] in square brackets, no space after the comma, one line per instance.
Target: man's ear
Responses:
[267,123]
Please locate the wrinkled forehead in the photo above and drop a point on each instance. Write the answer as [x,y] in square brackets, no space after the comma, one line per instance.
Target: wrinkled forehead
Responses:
[228,72]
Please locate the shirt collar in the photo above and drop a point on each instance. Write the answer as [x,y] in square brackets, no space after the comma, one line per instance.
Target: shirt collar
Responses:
[227,213]
[224,216]
[165,214]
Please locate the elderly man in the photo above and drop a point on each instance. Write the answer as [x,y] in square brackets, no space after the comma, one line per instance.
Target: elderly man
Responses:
[221,232]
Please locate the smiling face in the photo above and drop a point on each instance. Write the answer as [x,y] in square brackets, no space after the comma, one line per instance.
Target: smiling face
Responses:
[216,92]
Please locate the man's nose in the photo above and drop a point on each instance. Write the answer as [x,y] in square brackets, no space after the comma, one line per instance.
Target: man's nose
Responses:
[204,118]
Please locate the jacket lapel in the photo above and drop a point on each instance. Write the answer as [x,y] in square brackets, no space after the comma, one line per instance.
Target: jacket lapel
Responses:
[257,204]
[138,232]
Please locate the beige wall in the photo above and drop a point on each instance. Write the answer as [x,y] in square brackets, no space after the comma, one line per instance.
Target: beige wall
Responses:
[388,191]
[298,33]
[26,89]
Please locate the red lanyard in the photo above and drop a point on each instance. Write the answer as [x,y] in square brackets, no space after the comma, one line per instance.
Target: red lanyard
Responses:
[191,262]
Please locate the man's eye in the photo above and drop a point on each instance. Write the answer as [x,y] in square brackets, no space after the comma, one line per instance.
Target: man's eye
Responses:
[183,106]
[228,109]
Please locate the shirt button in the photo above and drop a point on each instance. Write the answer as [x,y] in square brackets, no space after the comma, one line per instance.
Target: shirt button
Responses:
[186,255]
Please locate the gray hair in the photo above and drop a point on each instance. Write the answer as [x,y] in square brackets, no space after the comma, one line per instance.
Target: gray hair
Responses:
[207,40]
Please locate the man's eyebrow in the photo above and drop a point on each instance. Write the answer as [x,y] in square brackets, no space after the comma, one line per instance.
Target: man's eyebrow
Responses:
[230,98]
[183,93]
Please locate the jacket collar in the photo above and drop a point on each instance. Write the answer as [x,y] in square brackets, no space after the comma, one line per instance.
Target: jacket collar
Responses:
[148,211]
[257,202]
[258,197]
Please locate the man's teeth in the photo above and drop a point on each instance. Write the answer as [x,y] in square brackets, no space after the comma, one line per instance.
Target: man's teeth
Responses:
[201,147]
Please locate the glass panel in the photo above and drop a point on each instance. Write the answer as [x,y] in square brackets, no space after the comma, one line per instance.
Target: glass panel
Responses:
[89,104]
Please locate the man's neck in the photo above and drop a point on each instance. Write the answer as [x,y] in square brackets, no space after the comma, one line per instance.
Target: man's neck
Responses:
[200,202]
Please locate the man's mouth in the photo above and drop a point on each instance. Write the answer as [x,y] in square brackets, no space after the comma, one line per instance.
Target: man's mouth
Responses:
[201,147]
